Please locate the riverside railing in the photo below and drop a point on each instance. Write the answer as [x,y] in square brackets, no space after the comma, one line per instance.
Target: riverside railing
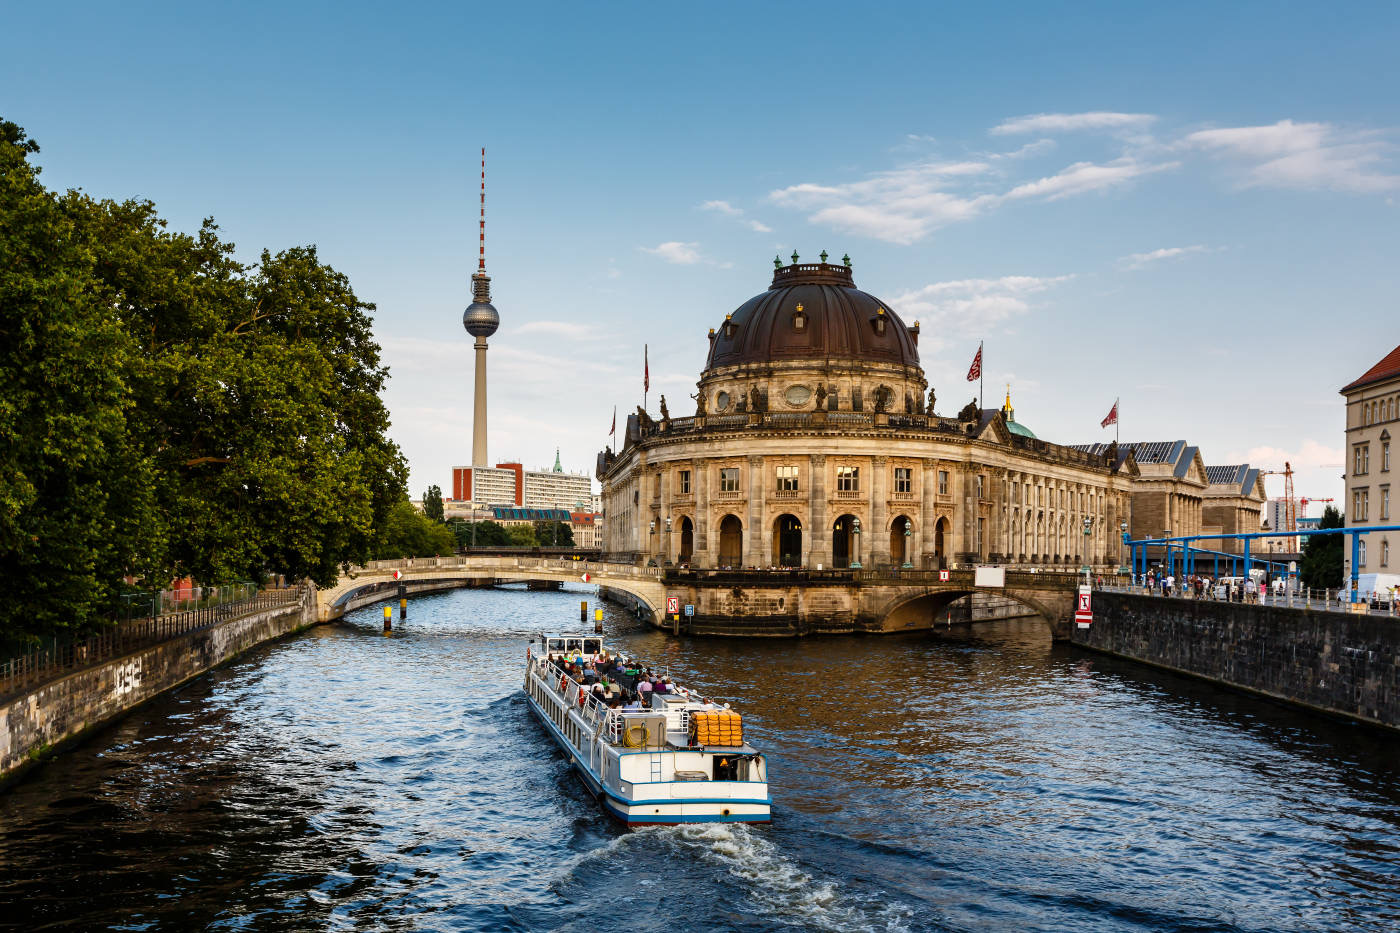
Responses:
[53,658]
[1326,600]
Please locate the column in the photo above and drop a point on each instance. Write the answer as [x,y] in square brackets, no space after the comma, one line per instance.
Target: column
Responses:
[756,550]
[928,515]
[878,537]
[700,477]
[665,538]
[816,534]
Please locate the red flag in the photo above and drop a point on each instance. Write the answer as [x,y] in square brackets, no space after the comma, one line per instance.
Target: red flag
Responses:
[646,371]
[613,430]
[975,372]
[1112,416]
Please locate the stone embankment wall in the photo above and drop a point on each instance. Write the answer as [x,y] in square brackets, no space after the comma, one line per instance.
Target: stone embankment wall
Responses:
[34,724]
[1340,663]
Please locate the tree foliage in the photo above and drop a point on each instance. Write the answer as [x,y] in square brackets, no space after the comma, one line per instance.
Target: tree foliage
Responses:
[432,503]
[1322,566]
[410,533]
[168,411]
[554,534]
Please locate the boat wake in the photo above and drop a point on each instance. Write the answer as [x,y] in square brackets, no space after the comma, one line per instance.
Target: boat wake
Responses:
[779,886]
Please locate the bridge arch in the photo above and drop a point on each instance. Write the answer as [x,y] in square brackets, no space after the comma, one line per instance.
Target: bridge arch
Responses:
[922,610]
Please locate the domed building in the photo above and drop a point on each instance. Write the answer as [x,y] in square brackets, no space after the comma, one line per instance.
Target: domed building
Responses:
[815,443]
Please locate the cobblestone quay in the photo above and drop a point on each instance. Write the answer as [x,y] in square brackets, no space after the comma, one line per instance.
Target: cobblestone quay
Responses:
[1335,662]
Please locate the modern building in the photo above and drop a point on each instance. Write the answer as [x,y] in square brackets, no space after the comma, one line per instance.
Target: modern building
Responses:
[1372,407]
[512,484]
[816,443]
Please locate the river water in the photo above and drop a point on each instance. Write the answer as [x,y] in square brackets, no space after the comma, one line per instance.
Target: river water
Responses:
[965,780]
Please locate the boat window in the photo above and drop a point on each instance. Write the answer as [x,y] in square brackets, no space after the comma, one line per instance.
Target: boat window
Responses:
[592,645]
[556,644]
[575,644]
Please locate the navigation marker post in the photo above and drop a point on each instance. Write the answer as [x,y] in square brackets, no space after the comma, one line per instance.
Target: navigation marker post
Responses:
[1083,615]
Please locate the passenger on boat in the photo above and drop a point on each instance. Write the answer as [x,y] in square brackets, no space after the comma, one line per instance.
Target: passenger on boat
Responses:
[634,705]
[643,689]
[661,686]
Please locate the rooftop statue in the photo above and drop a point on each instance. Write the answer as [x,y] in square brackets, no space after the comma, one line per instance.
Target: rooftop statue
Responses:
[970,412]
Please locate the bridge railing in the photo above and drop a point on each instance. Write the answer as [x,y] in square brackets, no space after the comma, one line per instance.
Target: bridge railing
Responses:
[1326,600]
[57,657]
[523,562]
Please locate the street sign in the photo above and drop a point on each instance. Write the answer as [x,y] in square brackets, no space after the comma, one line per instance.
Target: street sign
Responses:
[1083,614]
[689,609]
[943,576]
[673,605]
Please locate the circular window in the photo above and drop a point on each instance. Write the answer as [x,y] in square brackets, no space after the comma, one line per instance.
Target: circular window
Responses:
[797,395]
[722,401]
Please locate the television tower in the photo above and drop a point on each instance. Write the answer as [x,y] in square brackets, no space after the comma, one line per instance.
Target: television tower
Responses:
[481,320]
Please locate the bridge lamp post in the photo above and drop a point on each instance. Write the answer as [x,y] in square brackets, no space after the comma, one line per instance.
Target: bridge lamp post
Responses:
[908,536]
[667,555]
[1088,530]
[651,541]
[1123,528]
[855,532]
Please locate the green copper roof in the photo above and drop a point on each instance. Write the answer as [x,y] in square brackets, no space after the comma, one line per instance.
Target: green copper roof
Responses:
[558,468]
[1016,427]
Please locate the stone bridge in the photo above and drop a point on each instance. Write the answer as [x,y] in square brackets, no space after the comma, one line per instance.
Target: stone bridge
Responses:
[375,582]
[737,603]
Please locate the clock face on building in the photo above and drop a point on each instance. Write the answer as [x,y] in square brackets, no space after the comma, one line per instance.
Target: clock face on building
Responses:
[722,401]
[797,395]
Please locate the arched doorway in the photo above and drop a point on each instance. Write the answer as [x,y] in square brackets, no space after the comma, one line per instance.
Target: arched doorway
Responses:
[940,544]
[787,541]
[843,541]
[687,540]
[731,542]
[900,542]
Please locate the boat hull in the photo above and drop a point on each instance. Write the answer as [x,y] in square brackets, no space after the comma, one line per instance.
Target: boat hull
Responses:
[655,810]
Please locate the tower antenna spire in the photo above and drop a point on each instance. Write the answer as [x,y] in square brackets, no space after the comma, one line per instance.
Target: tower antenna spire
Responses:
[481,262]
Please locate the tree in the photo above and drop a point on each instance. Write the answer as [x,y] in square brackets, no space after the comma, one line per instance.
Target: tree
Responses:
[432,503]
[554,534]
[1322,566]
[521,536]
[75,492]
[479,534]
[410,533]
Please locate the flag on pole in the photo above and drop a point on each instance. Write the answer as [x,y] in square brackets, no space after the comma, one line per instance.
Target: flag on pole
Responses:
[975,372]
[1111,417]
[646,370]
[613,430]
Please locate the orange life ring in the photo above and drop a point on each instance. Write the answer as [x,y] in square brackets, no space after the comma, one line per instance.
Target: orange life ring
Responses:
[563,684]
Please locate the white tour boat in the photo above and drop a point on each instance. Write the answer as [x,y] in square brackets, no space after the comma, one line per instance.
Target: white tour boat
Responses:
[656,766]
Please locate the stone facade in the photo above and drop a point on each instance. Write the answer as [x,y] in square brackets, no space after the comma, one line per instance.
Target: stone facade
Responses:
[1373,416]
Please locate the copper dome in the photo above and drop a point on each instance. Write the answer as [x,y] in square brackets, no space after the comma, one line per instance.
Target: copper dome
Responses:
[813,311]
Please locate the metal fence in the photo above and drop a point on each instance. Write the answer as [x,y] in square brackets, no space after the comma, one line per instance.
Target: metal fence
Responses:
[56,657]
[1303,598]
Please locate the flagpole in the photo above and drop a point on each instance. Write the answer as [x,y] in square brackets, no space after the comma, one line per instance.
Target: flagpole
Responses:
[981,401]
[1118,412]
[646,377]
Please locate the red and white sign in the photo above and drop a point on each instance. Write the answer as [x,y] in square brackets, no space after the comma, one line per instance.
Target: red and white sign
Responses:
[586,577]
[1083,615]
[398,575]
[942,576]
[673,605]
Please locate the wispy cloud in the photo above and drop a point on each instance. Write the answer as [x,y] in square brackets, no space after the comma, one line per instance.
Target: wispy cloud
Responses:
[1305,155]
[966,306]
[1083,177]
[1139,260]
[729,210]
[1312,455]
[1027,151]
[906,204]
[674,251]
[568,329]
[722,207]
[1072,122]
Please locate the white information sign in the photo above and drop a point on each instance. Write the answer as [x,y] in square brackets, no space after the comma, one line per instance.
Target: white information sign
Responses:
[990,576]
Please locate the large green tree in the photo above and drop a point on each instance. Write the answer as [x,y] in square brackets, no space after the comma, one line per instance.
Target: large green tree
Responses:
[168,411]
[1322,566]
[432,503]
[410,533]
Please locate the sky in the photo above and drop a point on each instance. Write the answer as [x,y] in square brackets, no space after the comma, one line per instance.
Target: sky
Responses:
[1191,207]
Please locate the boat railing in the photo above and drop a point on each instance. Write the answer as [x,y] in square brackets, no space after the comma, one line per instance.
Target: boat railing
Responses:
[595,712]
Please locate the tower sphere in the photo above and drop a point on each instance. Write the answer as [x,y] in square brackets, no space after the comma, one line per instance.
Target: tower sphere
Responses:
[480,319]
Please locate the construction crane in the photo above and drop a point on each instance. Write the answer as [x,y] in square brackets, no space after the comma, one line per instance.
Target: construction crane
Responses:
[1290,505]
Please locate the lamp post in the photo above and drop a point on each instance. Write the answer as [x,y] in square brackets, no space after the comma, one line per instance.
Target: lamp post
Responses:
[666,556]
[1167,550]
[1088,530]
[1132,572]
[855,531]
[908,536]
[651,541]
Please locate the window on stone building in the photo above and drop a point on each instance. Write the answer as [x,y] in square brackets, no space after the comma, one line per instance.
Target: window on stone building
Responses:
[848,479]
[685,482]
[1385,503]
[1359,460]
[1385,457]
[729,479]
[1385,553]
[1361,552]
[903,479]
[981,486]
[943,482]
[787,479]
[1359,504]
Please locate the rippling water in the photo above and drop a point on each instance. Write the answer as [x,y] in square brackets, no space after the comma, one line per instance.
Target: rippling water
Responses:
[961,781]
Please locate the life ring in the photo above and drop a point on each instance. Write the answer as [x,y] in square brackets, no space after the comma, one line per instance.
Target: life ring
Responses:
[563,684]
[582,697]
[631,742]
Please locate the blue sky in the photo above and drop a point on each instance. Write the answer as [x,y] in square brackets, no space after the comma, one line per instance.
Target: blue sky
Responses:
[1193,206]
